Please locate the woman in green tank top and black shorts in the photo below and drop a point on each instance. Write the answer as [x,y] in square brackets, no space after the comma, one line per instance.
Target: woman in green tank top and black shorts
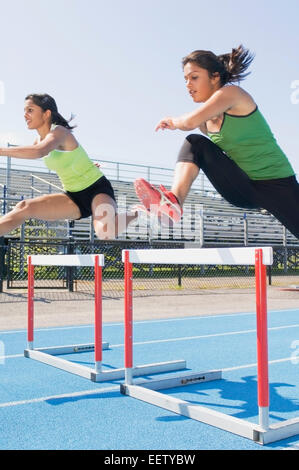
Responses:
[240,155]
[87,190]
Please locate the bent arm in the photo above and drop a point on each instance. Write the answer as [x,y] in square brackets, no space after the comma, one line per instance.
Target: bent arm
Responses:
[52,141]
[221,101]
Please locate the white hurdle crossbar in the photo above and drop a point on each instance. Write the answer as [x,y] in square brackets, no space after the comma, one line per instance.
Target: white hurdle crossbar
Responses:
[260,257]
[50,355]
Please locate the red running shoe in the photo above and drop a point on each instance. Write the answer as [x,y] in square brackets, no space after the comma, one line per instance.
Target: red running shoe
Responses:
[147,193]
[160,201]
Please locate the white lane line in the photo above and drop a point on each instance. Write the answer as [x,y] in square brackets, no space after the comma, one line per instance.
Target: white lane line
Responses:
[214,335]
[112,388]
[57,397]
[247,366]
[184,338]
[139,322]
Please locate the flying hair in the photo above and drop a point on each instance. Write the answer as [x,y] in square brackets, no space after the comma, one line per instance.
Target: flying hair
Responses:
[231,67]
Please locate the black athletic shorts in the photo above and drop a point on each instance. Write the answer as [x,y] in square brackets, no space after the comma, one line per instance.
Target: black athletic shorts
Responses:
[279,196]
[83,199]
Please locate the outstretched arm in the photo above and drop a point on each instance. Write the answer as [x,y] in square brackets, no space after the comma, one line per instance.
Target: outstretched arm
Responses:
[222,100]
[52,141]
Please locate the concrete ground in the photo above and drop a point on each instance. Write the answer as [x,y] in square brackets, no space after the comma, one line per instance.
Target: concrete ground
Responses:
[59,308]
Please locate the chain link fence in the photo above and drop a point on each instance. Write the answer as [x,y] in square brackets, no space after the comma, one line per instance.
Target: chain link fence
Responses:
[147,278]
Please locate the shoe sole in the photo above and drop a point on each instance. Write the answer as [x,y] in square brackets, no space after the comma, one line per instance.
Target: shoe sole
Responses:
[142,188]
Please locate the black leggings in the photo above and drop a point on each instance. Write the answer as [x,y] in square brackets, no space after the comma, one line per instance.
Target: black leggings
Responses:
[279,196]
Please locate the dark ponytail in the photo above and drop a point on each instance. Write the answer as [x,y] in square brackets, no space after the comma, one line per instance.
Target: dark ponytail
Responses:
[46,102]
[231,67]
[61,121]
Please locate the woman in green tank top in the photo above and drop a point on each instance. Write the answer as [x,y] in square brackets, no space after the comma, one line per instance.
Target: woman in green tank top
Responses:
[236,148]
[87,191]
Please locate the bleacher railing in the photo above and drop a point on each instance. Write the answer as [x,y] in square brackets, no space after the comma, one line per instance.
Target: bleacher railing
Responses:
[208,219]
[116,171]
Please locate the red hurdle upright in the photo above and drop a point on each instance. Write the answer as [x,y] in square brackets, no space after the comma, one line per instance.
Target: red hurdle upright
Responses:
[30,304]
[128,268]
[262,339]
[98,323]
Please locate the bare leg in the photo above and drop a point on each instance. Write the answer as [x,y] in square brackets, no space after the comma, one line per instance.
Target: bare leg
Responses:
[184,175]
[108,224]
[48,207]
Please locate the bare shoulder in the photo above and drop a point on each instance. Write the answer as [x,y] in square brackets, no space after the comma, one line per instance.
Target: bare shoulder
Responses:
[60,130]
[65,137]
[233,90]
[244,103]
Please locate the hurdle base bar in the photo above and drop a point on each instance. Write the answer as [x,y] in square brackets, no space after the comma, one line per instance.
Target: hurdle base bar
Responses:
[279,431]
[147,392]
[43,355]
[68,349]
[139,371]
[58,362]
[176,381]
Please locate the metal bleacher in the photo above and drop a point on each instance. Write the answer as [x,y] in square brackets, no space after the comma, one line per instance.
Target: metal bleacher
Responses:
[208,218]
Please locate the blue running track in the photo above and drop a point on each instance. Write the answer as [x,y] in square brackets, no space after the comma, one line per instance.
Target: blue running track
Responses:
[42,407]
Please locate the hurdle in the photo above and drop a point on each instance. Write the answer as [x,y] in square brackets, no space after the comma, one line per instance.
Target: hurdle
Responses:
[261,432]
[50,355]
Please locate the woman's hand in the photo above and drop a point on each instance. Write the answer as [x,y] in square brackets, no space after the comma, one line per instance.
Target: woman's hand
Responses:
[173,123]
[97,164]
[166,123]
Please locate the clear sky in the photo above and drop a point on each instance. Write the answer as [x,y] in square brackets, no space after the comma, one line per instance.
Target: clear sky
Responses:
[117,67]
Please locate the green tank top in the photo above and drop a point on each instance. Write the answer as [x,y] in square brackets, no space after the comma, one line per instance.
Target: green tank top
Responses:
[248,141]
[74,168]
